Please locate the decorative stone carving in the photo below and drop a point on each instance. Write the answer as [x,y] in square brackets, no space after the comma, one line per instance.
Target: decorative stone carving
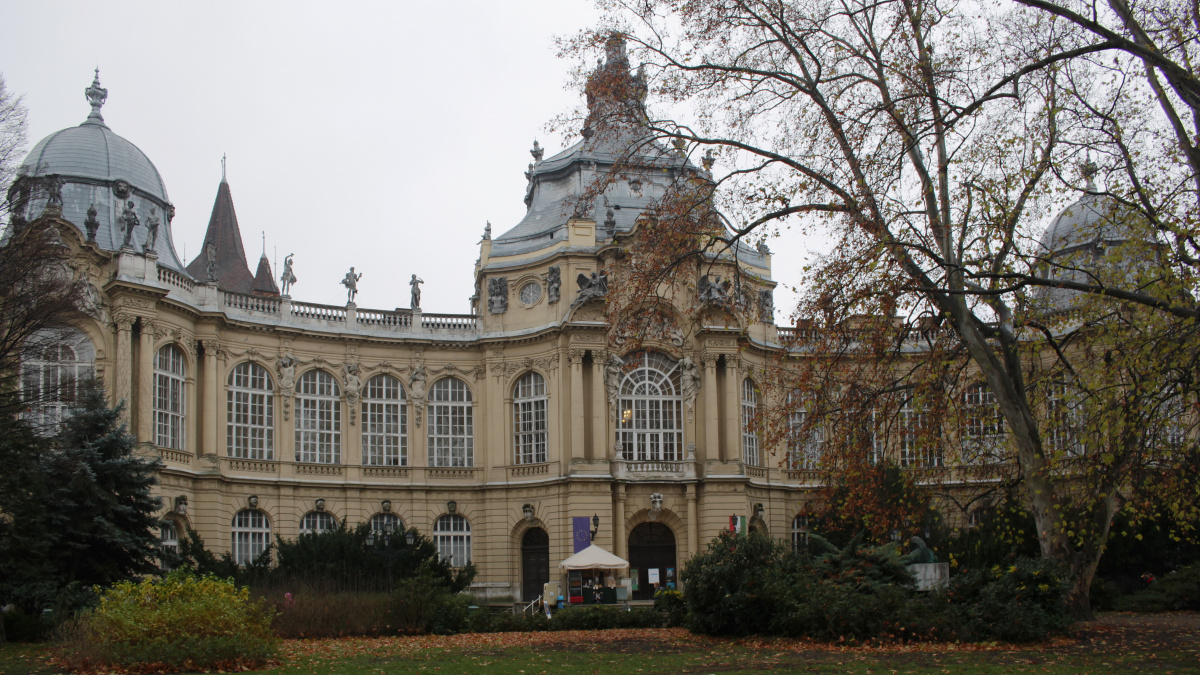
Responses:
[90,302]
[353,387]
[712,288]
[614,371]
[287,380]
[151,231]
[129,222]
[595,286]
[121,189]
[575,356]
[210,254]
[708,160]
[766,305]
[610,225]
[350,281]
[415,295]
[416,391]
[553,284]
[689,382]
[658,328]
[656,504]
[537,151]
[487,232]
[709,360]
[288,277]
[53,185]
[761,247]
[91,224]
[498,295]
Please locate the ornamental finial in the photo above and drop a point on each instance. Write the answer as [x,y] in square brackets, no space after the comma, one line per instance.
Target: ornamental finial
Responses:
[1089,171]
[96,96]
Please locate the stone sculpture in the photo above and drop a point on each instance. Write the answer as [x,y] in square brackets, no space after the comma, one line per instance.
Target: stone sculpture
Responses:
[288,277]
[920,554]
[766,305]
[415,283]
[151,231]
[287,381]
[595,286]
[129,222]
[614,372]
[351,283]
[91,225]
[689,382]
[498,295]
[353,388]
[54,194]
[712,288]
[210,254]
[416,390]
[487,232]
[553,284]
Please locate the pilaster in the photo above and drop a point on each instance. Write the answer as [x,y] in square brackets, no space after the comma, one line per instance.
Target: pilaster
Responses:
[575,356]
[712,441]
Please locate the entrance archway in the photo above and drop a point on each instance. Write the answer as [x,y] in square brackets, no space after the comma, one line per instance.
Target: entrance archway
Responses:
[535,562]
[652,546]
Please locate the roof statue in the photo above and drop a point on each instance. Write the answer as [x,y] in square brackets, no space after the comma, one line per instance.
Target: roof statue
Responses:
[415,283]
[350,281]
[96,96]
[129,223]
[151,231]
[288,277]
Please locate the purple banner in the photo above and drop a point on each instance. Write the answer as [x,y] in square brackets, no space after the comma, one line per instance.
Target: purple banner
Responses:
[581,532]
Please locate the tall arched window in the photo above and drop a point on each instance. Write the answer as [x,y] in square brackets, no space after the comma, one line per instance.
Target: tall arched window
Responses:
[56,361]
[318,418]
[315,522]
[251,413]
[251,535]
[168,543]
[385,423]
[805,439]
[452,534]
[169,378]
[983,425]
[451,425]
[1063,407]
[919,444]
[750,450]
[650,427]
[799,532]
[529,419]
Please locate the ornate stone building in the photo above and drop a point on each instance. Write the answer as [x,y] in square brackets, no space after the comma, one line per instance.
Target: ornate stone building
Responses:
[489,431]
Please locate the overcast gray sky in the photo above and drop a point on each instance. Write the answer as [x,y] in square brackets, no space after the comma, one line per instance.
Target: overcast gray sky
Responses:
[376,134]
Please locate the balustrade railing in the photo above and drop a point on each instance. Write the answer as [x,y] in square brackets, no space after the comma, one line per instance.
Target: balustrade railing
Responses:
[170,277]
[251,303]
[380,317]
[450,321]
[308,310]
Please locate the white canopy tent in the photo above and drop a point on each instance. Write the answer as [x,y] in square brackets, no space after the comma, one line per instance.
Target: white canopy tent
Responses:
[594,558]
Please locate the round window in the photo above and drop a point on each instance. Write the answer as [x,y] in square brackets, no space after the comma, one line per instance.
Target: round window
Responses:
[530,293]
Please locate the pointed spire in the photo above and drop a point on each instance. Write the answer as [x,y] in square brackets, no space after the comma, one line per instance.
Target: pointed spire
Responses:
[264,279]
[223,168]
[232,272]
[96,96]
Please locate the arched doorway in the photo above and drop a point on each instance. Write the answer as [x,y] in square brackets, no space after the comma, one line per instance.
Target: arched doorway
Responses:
[652,546]
[535,562]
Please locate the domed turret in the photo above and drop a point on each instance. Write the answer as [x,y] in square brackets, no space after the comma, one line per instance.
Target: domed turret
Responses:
[101,170]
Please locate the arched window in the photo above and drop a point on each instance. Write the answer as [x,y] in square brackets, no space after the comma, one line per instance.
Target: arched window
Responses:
[169,374]
[806,446]
[452,534]
[529,419]
[318,418]
[983,426]
[650,427]
[451,426]
[382,523]
[168,542]
[251,535]
[750,449]
[919,444]
[251,413]
[315,522]
[799,532]
[385,423]
[56,361]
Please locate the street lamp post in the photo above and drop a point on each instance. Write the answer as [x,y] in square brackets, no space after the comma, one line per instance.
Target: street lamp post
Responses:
[390,554]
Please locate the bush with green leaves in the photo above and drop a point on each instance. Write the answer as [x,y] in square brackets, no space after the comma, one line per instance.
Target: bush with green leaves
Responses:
[1021,602]
[180,622]
[670,603]
[1175,591]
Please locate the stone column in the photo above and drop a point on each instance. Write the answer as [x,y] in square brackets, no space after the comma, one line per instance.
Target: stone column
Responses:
[712,441]
[145,397]
[733,409]
[620,537]
[602,419]
[575,356]
[124,366]
[208,402]
[192,392]
[693,525]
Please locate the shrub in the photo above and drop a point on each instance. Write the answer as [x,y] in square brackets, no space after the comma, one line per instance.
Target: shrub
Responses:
[602,617]
[670,603]
[181,622]
[1179,590]
[732,584]
[315,614]
[20,626]
[1023,602]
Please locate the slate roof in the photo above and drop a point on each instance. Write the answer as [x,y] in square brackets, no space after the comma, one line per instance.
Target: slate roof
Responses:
[264,279]
[233,274]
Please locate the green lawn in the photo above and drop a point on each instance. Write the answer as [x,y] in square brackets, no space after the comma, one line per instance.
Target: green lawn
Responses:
[1115,644]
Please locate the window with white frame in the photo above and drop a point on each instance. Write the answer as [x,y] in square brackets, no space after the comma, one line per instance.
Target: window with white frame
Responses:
[315,522]
[918,445]
[1062,419]
[878,440]
[251,535]
[168,542]
[452,534]
[318,418]
[805,441]
[385,423]
[50,373]
[451,425]
[529,419]
[169,380]
[983,425]
[384,523]
[750,447]
[250,423]
[799,532]
[650,423]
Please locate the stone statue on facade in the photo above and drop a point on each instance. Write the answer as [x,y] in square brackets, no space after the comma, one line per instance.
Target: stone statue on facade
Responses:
[614,372]
[129,222]
[498,295]
[210,254]
[350,281]
[91,225]
[353,388]
[151,231]
[766,306]
[415,284]
[288,277]
[487,232]
[689,382]
[761,247]
[416,391]
[54,201]
[553,284]
[595,286]
[712,288]
[287,380]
